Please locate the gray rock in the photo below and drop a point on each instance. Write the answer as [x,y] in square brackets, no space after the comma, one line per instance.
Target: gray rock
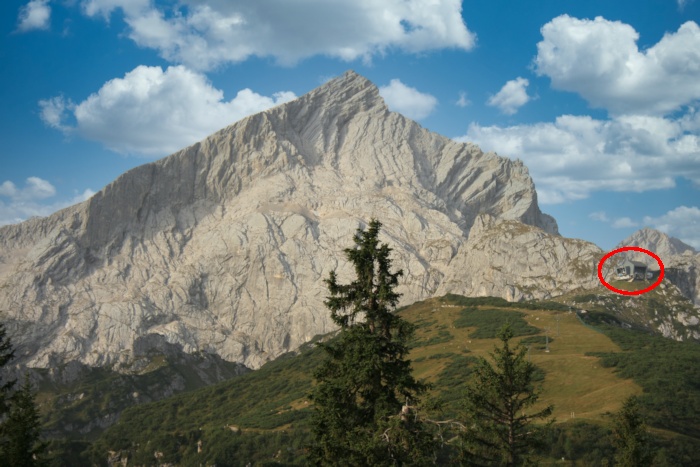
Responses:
[681,261]
[516,261]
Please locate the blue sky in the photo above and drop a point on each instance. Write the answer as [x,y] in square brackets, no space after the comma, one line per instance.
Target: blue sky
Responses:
[600,99]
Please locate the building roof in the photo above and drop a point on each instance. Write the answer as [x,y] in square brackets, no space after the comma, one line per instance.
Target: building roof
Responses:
[636,264]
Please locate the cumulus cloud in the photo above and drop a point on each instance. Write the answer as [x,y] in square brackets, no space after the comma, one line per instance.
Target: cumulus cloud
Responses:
[34,15]
[511,97]
[19,204]
[682,222]
[35,188]
[203,35]
[154,112]
[600,60]
[652,135]
[407,101]
[576,155]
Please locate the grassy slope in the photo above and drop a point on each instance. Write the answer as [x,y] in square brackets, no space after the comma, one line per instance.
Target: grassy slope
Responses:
[574,382]
[273,400]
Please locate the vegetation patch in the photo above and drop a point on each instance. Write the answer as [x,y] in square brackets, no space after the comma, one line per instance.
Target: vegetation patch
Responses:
[489,321]
[502,303]
[442,337]
[667,370]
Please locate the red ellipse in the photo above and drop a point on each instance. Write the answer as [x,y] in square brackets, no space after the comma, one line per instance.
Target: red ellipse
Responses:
[633,292]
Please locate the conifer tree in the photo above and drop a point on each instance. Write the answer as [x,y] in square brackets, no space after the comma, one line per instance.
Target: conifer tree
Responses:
[6,384]
[22,430]
[6,355]
[497,428]
[630,436]
[365,387]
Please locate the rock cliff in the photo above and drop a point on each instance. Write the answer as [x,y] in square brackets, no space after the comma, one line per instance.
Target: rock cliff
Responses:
[681,261]
[516,261]
[222,247]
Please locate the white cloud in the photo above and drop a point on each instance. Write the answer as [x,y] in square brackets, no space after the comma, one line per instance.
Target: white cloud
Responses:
[54,112]
[35,188]
[34,15]
[599,216]
[80,197]
[600,60]
[577,155]
[462,101]
[105,8]
[205,35]
[32,200]
[511,97]
[624,223]
[619,223]
[407,101]
[682,222]
[154,112]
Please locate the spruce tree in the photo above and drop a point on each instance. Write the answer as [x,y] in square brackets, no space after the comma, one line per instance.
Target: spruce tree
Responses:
[6,355]
[630,437]
[22,430]
[365,389]
[497,428]
[6,384]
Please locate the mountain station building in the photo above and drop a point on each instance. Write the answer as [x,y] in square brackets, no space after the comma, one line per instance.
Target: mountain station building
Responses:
[631,270]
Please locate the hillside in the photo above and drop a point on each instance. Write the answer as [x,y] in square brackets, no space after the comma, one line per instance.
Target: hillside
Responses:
[664,310]
[588,371]
[681,261]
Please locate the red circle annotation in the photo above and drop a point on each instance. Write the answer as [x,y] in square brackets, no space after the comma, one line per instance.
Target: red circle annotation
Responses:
[631,292]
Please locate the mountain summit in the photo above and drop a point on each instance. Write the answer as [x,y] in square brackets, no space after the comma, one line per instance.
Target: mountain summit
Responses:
[223,246]
[681,261]
[658,242]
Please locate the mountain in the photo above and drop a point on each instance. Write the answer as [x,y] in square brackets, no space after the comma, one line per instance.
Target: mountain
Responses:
[658,242]
[681,261]
[222,248]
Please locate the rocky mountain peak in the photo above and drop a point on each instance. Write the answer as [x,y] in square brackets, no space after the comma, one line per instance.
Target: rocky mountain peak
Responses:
[223,247]
[658,242]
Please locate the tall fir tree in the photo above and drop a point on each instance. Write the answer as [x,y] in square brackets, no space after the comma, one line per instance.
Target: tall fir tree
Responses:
[365,387]
[498,430]
[6,384]
[6,355]
[630,436]
[22,430]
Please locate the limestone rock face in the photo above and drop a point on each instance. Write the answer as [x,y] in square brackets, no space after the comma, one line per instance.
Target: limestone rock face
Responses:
[681,261]
[223,246]
[519,262]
